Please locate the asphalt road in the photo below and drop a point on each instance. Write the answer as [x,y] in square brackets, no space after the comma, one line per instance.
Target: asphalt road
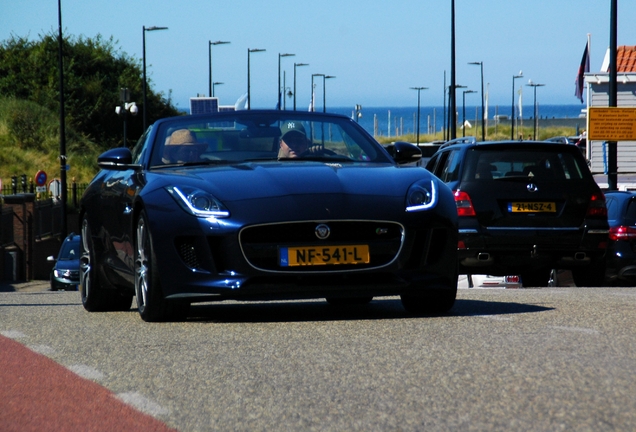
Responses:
[547,359]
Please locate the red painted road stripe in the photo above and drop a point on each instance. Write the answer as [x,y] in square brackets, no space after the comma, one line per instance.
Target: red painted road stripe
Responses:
[38,394]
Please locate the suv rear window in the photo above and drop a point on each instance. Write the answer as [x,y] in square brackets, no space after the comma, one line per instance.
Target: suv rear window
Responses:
[494,163]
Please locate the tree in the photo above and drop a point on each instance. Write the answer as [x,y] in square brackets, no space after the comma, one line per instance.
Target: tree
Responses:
[94,73]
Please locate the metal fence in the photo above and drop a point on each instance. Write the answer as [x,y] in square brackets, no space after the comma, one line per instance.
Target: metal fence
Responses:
[74,191]
[48,218]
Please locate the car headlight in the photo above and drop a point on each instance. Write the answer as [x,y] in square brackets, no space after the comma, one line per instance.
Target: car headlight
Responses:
[198,202]
[421,196]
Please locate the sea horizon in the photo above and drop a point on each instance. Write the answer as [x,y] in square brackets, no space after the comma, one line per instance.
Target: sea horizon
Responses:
[399,120]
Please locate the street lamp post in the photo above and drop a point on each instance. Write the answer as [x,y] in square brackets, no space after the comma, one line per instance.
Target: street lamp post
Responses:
[452,97]
[250,51]
[279,88]
[63,166]
[483,105]
[419,89]
[313,86]
[512,112]
[535,114]
[452,118]
[214,84]
[146,29]
[125,108]
[211,89]
[295,66]
[464,110]
[324,92]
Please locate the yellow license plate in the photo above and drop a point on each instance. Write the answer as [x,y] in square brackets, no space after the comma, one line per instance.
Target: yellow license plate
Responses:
[532,207]
[323,255]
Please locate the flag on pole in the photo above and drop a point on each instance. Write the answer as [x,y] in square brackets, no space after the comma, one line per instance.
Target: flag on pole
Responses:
[583,68]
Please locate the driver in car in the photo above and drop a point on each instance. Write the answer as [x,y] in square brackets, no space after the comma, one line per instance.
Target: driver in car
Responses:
[293,140]
[181,147]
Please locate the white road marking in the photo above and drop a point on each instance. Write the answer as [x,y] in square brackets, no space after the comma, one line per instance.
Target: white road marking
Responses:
[42,349]
[12,334]
[87,372]
[143,404]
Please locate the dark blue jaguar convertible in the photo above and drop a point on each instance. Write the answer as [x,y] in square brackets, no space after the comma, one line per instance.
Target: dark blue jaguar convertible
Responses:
[265,205]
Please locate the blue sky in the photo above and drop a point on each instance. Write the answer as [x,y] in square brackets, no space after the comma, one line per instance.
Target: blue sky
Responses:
[376,49]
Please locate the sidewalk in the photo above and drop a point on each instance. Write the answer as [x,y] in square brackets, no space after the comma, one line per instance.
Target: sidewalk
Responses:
[31,286]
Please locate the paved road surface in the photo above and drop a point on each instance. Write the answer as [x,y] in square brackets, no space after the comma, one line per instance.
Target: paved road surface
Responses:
[525,359]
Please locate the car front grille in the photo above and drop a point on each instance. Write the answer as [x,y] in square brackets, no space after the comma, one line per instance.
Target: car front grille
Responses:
[261,244]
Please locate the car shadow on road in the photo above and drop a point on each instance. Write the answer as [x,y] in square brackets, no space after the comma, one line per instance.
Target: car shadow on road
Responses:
[378,309]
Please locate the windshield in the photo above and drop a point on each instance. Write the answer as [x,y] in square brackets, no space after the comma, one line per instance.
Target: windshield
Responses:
[69,251]
[510,163]
[266,136]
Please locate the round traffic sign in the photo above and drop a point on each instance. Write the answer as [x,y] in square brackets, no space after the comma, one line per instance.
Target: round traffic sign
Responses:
[40,178]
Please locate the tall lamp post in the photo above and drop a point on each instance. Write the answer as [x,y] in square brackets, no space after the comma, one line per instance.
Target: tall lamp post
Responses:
[483,105]
[211,86]
[324,92]
[214,84]
[313,102]
[452,97]
[512,111]
[63,191]
[419,89]
[146,29]
[279,88]
[452,118]
[464,110]
[250,51]
[536,111]
[295,66]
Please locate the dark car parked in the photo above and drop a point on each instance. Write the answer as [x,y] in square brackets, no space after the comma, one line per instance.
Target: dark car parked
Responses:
[65,272]
[621,251]
[525,208]
[265,205]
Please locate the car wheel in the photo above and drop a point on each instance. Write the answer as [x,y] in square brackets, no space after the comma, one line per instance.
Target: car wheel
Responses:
[53,287]
[536,278]
[591,276]
[93,297]
[434,301]
[150,302]
[348,301]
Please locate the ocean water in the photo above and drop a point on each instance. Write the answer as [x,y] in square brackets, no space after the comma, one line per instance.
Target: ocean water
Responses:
[392,121]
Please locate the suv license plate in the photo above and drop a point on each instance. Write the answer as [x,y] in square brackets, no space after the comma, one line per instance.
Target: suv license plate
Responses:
[323,255]
[532,207]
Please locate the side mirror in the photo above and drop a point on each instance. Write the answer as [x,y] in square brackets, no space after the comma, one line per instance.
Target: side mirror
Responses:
[50,258]
[119,158]
[403,152]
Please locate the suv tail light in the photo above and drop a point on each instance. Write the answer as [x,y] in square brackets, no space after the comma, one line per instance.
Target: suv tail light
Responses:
[464,204]
[596,208]
[622,233]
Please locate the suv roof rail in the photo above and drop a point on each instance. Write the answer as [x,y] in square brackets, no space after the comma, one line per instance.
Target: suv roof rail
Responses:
[462,140]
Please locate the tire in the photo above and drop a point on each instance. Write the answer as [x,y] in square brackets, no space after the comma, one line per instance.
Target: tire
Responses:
[348,301]
[590,276]
[435,301]
[150,301]
[97,295]
[93,298]
[536,278]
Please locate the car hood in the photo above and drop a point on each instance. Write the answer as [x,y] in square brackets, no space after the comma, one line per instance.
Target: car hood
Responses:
[253,181]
